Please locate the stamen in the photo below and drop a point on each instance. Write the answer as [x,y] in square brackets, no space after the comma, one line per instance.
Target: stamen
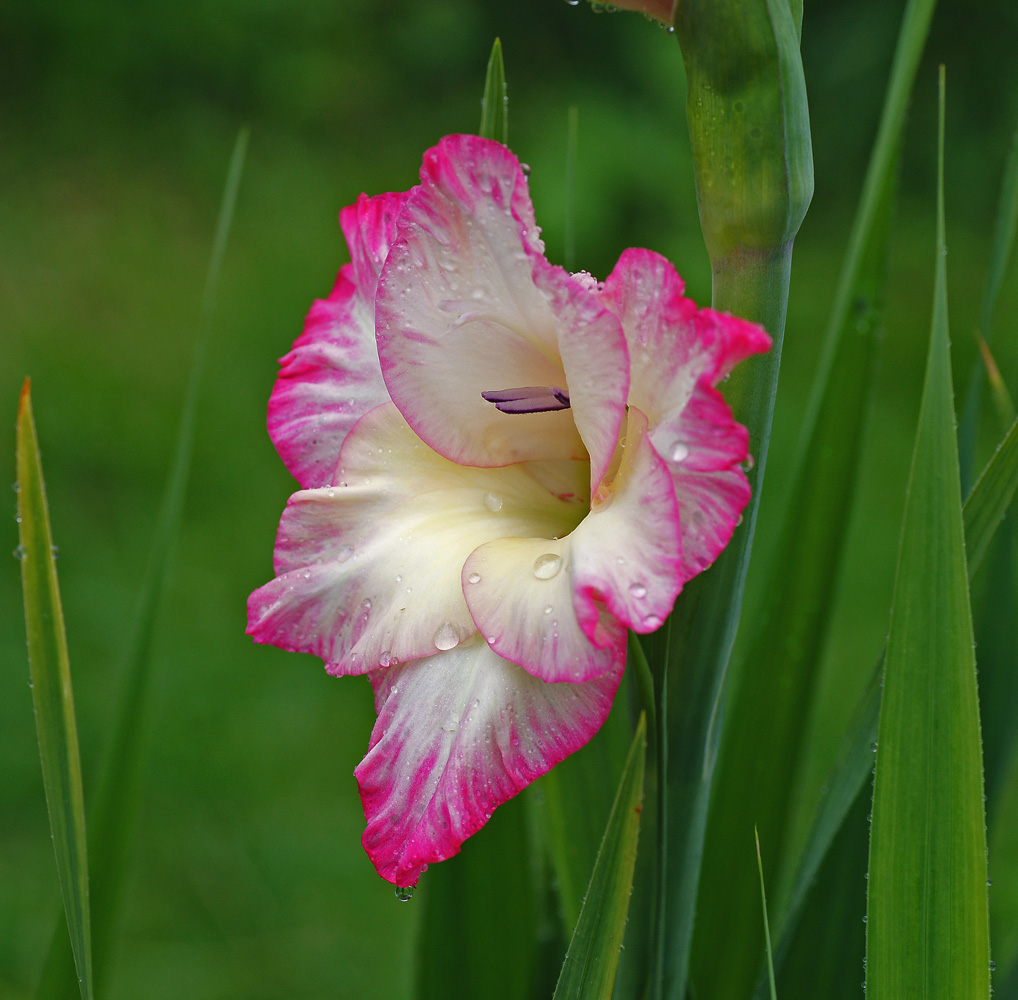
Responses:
[528,399]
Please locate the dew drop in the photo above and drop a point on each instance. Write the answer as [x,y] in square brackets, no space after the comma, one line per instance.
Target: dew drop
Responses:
[387,660]
[547,566]
[573,3]
[344,553]
[447,636]
[19,552]
[404,893]
[493,502]
[652,621]
[474,578]
[638,590]
[679,452]
[366,604]
[548,609]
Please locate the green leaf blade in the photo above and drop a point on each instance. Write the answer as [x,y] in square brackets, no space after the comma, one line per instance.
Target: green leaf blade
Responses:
[928,927]
[51,693]
[495,102]
[592,960]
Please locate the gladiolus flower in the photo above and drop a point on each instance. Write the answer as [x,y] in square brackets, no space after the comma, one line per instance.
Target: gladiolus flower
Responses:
[503,467]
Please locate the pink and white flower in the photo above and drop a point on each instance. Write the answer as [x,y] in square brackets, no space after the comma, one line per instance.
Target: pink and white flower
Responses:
[503,467]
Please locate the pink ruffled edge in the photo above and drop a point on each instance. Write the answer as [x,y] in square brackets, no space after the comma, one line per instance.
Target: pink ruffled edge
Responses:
[331,376]
[457,735]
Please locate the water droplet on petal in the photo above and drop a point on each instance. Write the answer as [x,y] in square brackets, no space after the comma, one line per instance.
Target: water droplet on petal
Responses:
[638,590]
[344,553]
[493,502]
[404,893]
[387,660]
[679,452]
[548,609]
[474,578]
[366,604]
[447,636]
[547,566]
[652,622]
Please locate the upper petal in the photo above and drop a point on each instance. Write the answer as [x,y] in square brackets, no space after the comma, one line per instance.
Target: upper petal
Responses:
[673,345]
[331,377]
[458,734]
[369,570]
[459,312]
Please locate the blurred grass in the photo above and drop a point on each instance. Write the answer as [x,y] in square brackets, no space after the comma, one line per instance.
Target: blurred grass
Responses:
[247,878]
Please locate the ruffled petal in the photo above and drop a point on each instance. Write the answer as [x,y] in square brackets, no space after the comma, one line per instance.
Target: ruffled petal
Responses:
[457,735]
[459,313]
[369,570]
[673,345]
[677,353]
[560,608]
[703,436]
[331,377]
[710,508]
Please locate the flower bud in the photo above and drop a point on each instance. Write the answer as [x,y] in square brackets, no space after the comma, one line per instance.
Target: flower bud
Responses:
[748,123]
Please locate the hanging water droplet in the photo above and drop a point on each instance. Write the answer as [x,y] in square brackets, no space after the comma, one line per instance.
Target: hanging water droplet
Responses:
[679,452]
[573,3]
[404,893]
[547,566]
[386,659]
[447,636]
[652,622]
[493,502]
[474,578]
[638,590]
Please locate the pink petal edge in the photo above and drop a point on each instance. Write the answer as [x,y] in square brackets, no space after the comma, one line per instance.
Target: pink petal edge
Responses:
[457,735]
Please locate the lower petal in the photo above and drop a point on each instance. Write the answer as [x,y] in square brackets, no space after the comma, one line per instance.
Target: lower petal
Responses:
[459,733]
[560,607]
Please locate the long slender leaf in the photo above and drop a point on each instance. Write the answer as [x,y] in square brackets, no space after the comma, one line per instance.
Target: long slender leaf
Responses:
[51,693]
[775,679]
[766,921]
[928,927]
[112,813]
[495,102]
[588,972]
[982,513]
[1005,228]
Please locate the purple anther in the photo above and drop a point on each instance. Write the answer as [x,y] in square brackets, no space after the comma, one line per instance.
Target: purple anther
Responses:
[528,399]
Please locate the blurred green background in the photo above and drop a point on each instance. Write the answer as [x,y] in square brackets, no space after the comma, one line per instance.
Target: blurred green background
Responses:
[116,124]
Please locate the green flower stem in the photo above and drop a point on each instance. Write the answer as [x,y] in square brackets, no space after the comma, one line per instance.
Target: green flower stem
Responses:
[749,135]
